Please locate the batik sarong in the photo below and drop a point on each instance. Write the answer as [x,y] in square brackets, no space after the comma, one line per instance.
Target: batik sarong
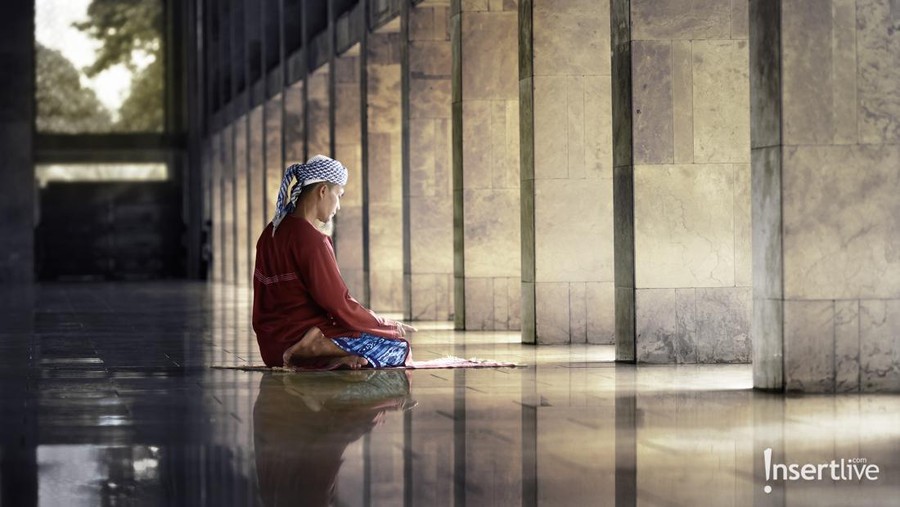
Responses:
[380,352]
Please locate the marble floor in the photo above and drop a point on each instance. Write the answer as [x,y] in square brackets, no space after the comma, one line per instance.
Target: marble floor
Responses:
[108,398]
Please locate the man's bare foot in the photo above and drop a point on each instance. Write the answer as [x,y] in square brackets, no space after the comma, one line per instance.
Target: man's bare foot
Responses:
[348,362]
[312,344]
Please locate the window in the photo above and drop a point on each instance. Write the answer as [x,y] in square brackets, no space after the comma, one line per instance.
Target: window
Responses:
[99,66]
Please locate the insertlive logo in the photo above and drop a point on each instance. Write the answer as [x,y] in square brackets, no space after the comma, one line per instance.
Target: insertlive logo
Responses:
[852,469]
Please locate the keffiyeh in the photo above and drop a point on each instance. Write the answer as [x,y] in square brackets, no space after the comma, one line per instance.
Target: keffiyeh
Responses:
[316,169]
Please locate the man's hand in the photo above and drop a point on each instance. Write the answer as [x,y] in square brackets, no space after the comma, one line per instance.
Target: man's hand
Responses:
[404,329]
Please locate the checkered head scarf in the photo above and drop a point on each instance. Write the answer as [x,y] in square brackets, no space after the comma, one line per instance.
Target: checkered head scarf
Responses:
[317,169]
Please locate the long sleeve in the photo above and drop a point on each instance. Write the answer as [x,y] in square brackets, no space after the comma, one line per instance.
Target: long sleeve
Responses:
[327,288]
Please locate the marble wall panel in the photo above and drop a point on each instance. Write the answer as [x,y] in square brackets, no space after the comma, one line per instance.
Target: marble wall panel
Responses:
[294,126]
[492,233]
[479,303]
[598,127]
[274,163]
[570,37]
[844,71]
[683,101]
[846,346]
[552,323]
[492,303]
[600,308]
[723,318]
[670,327]
[740,19]
[429,79]
[807,73]
[681,19]
[432,297]
[878,71]
[657,325]
[573,226]
[505,144]
[476,143]
[317,104]
[431,222]
[241,209]
[879,345]
[652,107]
[743,257]
[841,214]
[721,101]
[684,226]
[808,346]
[550,127]
[489,49]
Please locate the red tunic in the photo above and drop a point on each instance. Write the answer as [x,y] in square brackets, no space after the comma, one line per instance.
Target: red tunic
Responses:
[297,285]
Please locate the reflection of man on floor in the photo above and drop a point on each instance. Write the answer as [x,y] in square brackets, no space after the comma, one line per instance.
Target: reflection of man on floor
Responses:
[303,423]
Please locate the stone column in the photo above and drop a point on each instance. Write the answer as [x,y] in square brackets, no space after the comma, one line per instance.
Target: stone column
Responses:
[681,157]
[348,235]
[486,216]
[215,183]
[430,194]
[317,104]
[384,171]
[826,217]
[227,202]
[256,176]
[274,164]
[17,187]
[241,202]
[566,151]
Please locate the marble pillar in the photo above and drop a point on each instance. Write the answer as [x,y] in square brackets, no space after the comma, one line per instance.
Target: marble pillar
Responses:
[216,230]
[17,110]
[317,104]
[274,164]
[241,203]
[682,177]
[566,160]
[348,236]
[227,202]
[485,144]
[206,215]
[430,195]
[256,175]
[384,172]
[826,218]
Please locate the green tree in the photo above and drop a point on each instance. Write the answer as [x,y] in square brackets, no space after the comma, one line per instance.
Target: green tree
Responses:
[129,30]
[63,105]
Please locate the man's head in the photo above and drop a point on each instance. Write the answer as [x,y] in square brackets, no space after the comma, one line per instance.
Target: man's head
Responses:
[309,179]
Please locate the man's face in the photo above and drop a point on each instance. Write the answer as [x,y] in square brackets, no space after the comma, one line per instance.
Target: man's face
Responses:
[331,202]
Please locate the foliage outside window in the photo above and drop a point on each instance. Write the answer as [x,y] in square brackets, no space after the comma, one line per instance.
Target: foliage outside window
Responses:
[99,66]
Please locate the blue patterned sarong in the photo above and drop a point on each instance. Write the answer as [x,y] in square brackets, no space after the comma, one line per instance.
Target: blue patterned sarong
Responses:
[380,352]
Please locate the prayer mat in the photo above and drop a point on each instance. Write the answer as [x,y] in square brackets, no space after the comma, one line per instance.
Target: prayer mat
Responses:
[446,362]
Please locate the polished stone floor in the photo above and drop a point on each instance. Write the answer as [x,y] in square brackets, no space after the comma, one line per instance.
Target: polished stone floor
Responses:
[108,398]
